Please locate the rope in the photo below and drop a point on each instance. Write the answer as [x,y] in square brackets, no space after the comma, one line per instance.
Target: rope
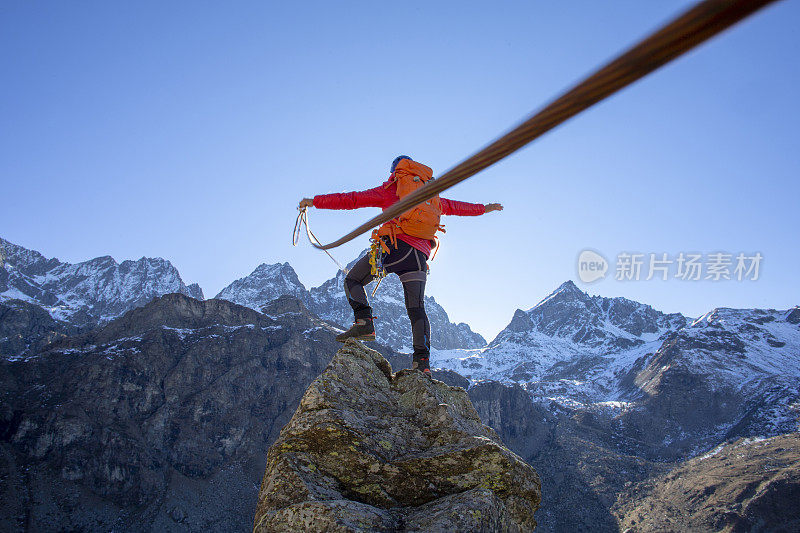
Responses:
[302,220]
[696,25]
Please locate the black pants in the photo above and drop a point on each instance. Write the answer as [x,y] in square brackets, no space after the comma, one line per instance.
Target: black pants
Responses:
[411,266]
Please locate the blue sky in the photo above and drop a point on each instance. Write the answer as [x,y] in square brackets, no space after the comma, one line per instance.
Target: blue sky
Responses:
[189,130]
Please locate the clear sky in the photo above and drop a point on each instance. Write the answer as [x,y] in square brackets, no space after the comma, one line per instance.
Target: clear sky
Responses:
[190,130]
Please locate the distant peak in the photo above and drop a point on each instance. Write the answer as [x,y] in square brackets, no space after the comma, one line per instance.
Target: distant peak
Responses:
[195,291]
[274,270]
[17,255]
[153,260]
[141,263]
[566,291]
[729,316]
[569,285]
[269,268]
[102,260]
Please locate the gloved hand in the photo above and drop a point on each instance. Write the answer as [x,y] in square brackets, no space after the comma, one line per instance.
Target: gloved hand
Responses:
[493,207]
[306,202]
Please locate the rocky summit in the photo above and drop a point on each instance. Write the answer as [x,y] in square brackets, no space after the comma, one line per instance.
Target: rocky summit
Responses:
[369,450]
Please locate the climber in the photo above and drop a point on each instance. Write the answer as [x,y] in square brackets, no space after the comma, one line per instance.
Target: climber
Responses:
[405,245]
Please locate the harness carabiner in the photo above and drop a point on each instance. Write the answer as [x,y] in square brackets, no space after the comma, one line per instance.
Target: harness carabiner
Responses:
[376,262]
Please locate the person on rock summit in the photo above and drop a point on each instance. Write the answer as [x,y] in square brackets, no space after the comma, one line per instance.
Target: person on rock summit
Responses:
[406,243]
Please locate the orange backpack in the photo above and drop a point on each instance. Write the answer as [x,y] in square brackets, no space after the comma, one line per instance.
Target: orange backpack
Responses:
[421,221]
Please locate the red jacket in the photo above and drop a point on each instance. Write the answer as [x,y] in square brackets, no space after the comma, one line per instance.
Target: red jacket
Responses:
[383,197]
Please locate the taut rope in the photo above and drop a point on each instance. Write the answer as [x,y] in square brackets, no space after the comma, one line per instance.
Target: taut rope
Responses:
[696,25]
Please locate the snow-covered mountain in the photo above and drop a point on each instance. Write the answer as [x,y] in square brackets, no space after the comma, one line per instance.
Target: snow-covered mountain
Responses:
[736,345]
[663,378]
[728,360]
[264,284]
[91,291]
[585,346]
[603,324]
[567,334]
[328,301]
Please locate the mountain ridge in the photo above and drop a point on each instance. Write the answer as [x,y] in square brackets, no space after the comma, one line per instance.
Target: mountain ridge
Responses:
[92,291]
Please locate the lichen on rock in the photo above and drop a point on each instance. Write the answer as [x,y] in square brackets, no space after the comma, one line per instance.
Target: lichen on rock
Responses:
[369,450]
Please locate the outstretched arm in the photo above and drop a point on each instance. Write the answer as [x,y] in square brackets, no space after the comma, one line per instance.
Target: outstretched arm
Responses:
[376,197]
[466,209]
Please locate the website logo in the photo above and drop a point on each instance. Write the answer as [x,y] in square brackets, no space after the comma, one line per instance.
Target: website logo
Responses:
[591,266]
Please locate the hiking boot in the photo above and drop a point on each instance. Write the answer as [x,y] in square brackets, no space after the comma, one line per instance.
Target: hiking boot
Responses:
[362,330]
[421,363]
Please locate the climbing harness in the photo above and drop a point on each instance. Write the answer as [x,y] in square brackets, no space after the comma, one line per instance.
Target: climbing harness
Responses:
[302,220]
[376,262]
[697,24]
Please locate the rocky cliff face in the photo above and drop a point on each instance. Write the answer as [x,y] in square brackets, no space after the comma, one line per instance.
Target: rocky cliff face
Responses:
[156,421]
[372,450]
[576,456]
[747,485]
[329,303]
[730,374]
[88,292]
[25,327]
